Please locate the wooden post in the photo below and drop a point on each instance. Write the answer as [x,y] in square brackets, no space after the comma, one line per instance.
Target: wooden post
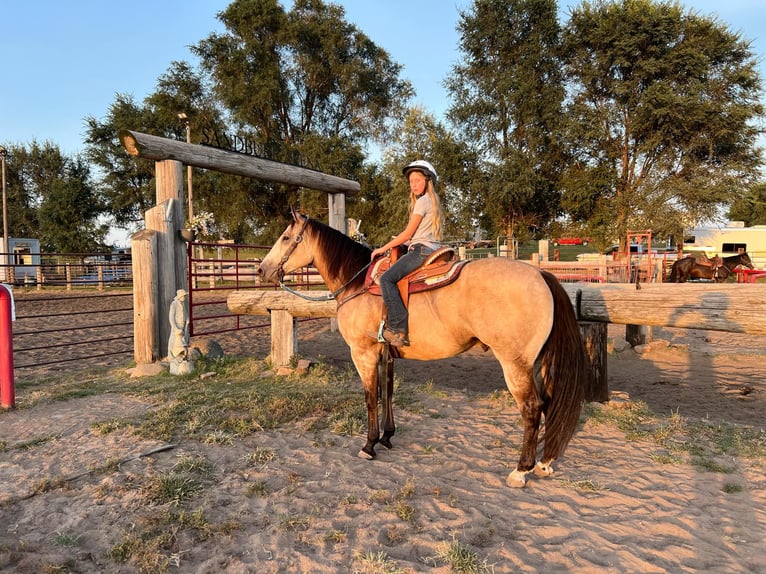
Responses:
[170,249]
[284,337]
[594,337]
[143,247]
[337,212]
[337,220]
[638,334]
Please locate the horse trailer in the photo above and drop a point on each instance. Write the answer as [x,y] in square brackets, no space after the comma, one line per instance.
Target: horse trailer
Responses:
[731,239]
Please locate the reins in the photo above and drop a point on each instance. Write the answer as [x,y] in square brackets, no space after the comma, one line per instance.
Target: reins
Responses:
[327,296]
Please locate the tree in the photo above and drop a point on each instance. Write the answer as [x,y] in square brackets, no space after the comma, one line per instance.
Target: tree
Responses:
[422,137]
[751,208]
[507,96]
[660,117]
[306,87]
[303,87]
[57,201]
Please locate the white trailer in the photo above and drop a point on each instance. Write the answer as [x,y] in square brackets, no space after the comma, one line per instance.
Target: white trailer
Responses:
[731,239]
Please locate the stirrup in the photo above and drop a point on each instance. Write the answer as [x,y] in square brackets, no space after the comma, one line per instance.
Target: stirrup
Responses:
[380,331]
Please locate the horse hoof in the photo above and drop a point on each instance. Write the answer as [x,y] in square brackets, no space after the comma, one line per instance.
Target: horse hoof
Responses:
[365,455]
[517,479]
[386,443]
[542,469]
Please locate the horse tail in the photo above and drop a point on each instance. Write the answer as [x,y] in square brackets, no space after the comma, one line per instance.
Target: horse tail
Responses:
[564,373]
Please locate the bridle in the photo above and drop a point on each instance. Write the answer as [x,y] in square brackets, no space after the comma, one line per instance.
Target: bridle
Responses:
[293,246]
[281,270]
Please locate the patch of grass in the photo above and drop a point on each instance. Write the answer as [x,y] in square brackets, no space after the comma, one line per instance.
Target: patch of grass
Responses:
[66,540]
[195,464]
[35,442]
[376,563]
[294,522]
[107,427]
[703,443]
[258,488]
[335,536]
[350,422]
[261,456]
[461,559]
[732,488]
[172,487]
[584,485]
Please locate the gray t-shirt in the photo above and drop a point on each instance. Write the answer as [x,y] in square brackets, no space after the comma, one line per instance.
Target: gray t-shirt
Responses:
[423,235]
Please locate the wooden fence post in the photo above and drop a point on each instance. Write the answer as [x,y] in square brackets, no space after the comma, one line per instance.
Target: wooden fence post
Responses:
[284,337]
[170,255]
[594,337]
[143,247]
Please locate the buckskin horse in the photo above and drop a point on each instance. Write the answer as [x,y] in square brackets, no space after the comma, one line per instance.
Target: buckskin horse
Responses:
[519,312]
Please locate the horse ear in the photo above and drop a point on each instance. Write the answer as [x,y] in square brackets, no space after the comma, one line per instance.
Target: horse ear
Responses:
[294,213]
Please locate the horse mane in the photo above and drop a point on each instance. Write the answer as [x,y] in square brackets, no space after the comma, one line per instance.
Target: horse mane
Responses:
[343,256]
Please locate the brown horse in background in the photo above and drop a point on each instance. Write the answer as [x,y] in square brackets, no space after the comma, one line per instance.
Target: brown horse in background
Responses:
[519,312]
[690,267]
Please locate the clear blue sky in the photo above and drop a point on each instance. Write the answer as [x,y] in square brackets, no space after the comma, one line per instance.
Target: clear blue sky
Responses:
[64,61]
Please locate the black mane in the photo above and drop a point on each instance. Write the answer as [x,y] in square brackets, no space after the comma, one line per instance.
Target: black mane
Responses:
[344,256]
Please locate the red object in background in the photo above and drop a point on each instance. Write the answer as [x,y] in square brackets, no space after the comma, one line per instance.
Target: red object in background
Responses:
[7,390]
[571,241]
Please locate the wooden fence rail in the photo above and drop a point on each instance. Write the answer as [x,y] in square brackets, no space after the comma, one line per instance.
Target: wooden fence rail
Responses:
[737,308]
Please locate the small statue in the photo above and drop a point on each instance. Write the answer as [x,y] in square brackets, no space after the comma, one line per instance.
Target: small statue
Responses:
[178,344]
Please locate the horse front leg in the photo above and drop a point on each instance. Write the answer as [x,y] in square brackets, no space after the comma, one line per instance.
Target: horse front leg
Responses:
[386,382]
[367,366]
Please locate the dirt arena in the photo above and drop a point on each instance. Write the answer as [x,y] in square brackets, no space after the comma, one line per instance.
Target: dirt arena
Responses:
[611,507]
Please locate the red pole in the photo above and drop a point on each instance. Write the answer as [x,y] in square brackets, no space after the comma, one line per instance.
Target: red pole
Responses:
[7,392]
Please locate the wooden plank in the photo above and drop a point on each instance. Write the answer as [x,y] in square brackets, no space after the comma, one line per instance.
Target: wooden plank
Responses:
[157,148]
[731,307]
[737,308]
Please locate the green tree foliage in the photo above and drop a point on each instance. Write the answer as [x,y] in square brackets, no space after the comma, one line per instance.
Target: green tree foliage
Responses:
[304,87]
[126,184]
[52,198]
[507,94]
[307,87]
[661,117]
[751,208]
[422,137]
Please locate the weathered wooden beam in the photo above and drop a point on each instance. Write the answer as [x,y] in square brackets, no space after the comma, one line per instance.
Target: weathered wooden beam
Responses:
[732,307]
[157,148]
[264,302]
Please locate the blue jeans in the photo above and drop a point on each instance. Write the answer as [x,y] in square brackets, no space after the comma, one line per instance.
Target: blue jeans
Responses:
[397,313]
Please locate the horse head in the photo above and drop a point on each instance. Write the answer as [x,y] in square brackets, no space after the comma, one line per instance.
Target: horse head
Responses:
[289,252]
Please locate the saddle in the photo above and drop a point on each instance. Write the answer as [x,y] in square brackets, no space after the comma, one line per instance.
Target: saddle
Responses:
[705,261]
[439,269]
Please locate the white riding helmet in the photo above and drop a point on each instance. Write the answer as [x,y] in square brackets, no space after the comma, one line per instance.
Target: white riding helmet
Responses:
[422,166]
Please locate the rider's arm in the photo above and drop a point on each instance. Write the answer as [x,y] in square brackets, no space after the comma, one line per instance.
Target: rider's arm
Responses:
[403,237]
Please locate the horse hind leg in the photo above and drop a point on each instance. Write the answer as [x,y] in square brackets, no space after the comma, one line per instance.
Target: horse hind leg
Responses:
[530,406]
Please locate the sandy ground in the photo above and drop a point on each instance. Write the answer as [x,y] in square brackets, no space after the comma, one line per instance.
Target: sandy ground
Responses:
[611,507]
